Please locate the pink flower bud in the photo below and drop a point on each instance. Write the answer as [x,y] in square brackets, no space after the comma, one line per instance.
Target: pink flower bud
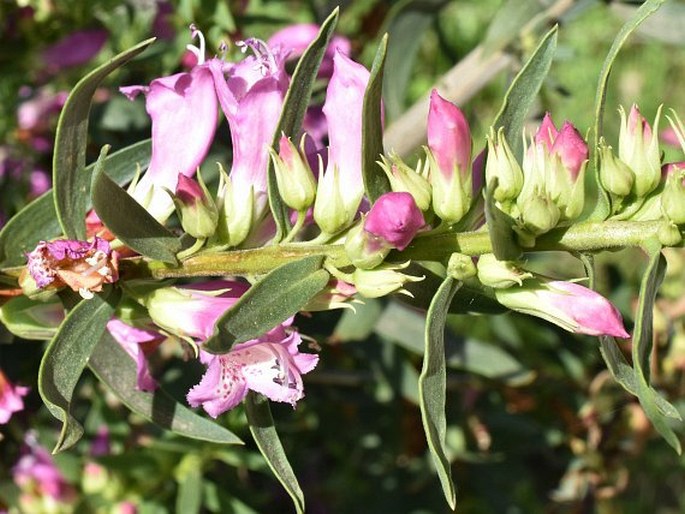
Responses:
[449,136]
[196,208]
[569,305]
[395,218]
[638,147]
[570,146]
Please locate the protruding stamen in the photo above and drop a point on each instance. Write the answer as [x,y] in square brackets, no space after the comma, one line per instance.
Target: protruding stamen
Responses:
[266,62]
[197,52]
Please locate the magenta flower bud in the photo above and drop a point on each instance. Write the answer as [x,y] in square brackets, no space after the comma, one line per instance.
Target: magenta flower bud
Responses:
[271,365]
[395,218]
[10,398]
[571,148]
[392,222]
[569,305]
[547,133]
[449,136]
[196,208]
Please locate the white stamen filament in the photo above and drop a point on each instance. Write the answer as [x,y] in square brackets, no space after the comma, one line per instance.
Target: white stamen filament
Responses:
[197,52]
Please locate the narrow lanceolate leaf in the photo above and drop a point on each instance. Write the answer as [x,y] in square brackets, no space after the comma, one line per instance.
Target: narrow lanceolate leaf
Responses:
[264,433]
[432,384]
[66,357]
[38,220]
[642,348]
[275,298]
[500,228]
[294,106]
[524,90]
[130,222]
[115,368]
[69,179]
[375,181]
[602,208]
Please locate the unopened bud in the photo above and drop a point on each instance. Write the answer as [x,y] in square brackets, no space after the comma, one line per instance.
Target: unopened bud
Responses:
[461,267]
[295,179]
[382,281]
[405,179]
[236,212]
[638,147]
[502,168]
[673,196]
[539,213]
[500,274]
[195,207]
[614,175]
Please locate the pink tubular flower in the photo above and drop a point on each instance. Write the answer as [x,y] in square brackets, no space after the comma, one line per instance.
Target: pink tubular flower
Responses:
[73,50]
[271,365]
[137,342]
[251,95]
[395,218]
[193,310]
[10,398]
[184,113]
[296,38]
[571,306]
[82,265]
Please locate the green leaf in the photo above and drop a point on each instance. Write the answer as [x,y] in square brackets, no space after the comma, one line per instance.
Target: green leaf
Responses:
[38,220]
[116,369]
[500,228]
[70,181]
[189,497]
[432,384]
[294,107]
[523,91]
[67,355]
[376,182]
[264,433]
[642,347]
[130,222]
[275,298]
[602,207]
[407,17]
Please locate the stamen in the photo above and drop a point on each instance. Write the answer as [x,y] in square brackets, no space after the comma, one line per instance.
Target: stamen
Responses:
[266,62]
[198,52]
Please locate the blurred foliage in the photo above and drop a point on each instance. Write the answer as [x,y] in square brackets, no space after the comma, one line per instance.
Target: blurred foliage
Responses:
[535,423]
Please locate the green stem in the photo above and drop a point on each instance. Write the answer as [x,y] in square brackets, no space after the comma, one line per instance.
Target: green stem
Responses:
[191,250]
[301,215]
[582,237]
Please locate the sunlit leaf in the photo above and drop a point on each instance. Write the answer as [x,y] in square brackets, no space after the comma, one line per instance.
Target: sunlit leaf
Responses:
[70,181]
[281,294]
[264,432]
[432,385]
[67,355]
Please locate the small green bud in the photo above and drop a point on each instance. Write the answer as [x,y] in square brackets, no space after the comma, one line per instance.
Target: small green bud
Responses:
[673,195]
[539,213]
[503,168]
[196,208]
[365,250]
[405,179]
[383,280]
[236,212]
[500,274]
[330,212]
[295,179]
[614,175]
[669,234]
[461,267]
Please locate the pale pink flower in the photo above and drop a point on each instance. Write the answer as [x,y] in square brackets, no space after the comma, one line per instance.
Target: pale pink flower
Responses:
[271,365]
[135,341]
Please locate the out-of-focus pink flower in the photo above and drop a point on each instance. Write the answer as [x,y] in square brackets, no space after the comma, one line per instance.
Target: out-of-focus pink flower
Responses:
[73,50]
[137,342]
[39,182]
[668,136]
[82,265]
[271,365]
[569,305]
[36,473]
[395,218]
[296,38]
[193,310]
[162,27]
[10,398]
[34,114]
[184,113]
